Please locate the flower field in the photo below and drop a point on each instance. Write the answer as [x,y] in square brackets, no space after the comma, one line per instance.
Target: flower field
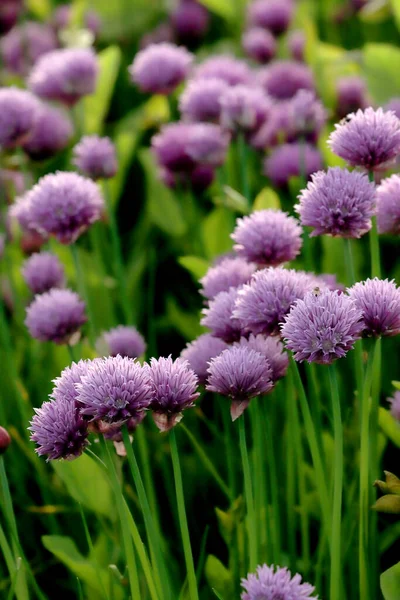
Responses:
[199,301]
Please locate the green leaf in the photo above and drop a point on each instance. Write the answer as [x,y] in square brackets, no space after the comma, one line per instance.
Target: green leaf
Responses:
[267,198]
[39,8]
[375,11]
[390,583]
[389,426]
[223,8]
[163,206]
[217,228]
[396,11]
[396,384]
[86,483]
[381,71]
[219,578]
[196,266]
[186,323]
[96,106]
[389,504]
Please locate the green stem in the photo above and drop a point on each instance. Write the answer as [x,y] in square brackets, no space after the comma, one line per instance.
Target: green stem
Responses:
[248,492]
[72,353]
[229,451]
[375,465]
[118,260]
[180,499]
[256,414]
[273,487]
[91,551]
[374,249]
[291,473]
[243,167]
[151,531]
[83,290]
[335,573]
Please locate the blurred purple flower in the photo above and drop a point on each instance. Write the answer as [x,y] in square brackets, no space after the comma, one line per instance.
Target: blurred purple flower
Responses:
[225,67]
[51,133]
[388,205]
[9,13]
[338,203]
[24,44]
[207,144]
[229,273]
[322,327]
[173,389]
[273,583]
[42,272]
[244,108]
[62,17]
[200,100]
[291,160]
[395,405]
[190,21]
[351,95]
[307,116]
[199,179]
[199,353]
[369,138]
[272,349]
[276,129]
[379,302]
[394,106]
[283,78]
[268,237]
[160,68]
[330,281]
[262,304]
[95,157]
[114,390]
[124,340]
[218,316]
[170,147]
[65,75]
[55,316]
[259,44]
[64,205]
[241,374]
[18,114]
[58,430]
[274,15]
[296,42]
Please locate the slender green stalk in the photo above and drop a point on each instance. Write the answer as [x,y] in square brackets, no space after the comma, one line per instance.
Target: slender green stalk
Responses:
[375,466]
[141,441]
[273,486]
[259,478]
[151,531]
[243,167]
[336,564]
[83,290]
[291,473]
[180,499]
[72,353]
[117,253]
[364,540]
[122,512]
[91,551]
[374,250]
[248,492]
[229,452]
[207,462]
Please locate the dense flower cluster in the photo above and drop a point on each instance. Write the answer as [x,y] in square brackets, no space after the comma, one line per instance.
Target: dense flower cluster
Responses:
[271,583]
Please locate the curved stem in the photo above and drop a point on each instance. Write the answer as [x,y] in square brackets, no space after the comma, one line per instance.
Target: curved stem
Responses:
[187,549]
[248,491]
[335,575]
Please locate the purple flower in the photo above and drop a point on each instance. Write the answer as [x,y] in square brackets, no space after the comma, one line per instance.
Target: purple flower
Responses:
[95,157]
[24,44]
[369,138]
[42,272]
[62,17]
[259,44]
[160,68]
[283,78]
[58,430]
[276,129]
[199,179]
[18,113]
[307,116]
[296,43]
[268,237]
[388,205]
[201,99]
[275,583]
[64,389]
[64,205]
[218,316]
[330,281]
[272,349]
[207,144]
[322,327]
[394,106]
[225,67]
[241,374]
[244,108]
[199,353]
[274,15]
[170,147]
[55,316]
[65,75]
[51,133]
[379,302]
[124,340]
[338,203]
[114,390]
[9,13]
[395,406]
[229,273]
[173,389]
[290,160]
[262,304]
[351,95]
[190,21]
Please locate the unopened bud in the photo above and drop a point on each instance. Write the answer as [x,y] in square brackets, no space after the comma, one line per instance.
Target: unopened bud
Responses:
[5,440]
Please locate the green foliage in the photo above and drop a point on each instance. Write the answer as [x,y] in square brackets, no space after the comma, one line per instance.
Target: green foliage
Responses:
[219,578]
[390,582]
[267,198]
[389,426]
[216,229]
[196,266]
[380,70]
